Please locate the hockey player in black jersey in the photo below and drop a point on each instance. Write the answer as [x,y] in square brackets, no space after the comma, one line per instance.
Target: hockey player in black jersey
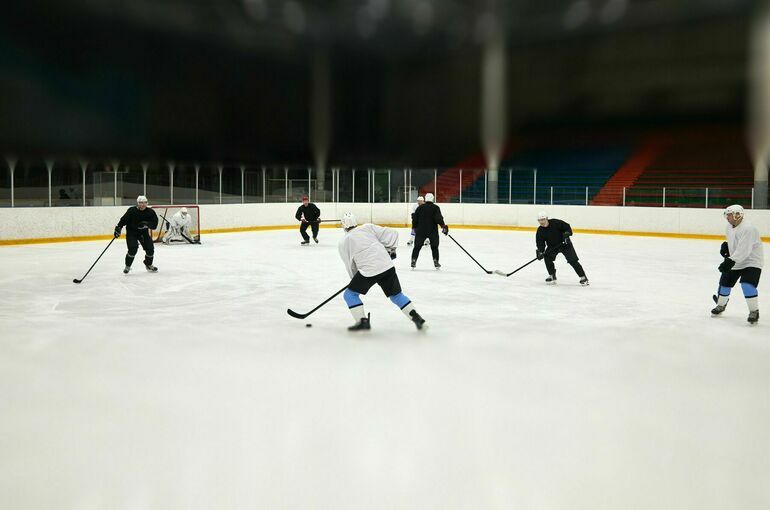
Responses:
[139,221]
[310,215]
[552,238]
[425,222]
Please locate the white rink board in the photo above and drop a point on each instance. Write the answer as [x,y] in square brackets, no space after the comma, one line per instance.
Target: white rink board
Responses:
[193,389]
[67,222]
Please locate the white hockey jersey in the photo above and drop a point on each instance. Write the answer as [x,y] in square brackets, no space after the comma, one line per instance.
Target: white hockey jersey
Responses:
[365,249]
[179,222]
[745,245]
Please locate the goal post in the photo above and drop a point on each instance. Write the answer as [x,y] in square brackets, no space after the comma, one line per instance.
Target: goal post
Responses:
[165,213]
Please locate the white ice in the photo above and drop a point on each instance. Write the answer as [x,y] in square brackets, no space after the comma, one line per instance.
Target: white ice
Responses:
[193,389]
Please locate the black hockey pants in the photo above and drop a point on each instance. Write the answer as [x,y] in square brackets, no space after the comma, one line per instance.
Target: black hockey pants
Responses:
[133,238]
[419,240]
[303,230]
[569,253]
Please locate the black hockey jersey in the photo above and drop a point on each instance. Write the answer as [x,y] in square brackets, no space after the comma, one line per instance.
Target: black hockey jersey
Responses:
[311,212]
[134,216]
[552,235]
[426,218]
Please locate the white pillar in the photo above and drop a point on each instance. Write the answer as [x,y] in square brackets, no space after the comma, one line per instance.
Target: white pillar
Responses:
[83,169]
[12,167]
[759,102]
[197,171]
[145,166]
[493,101]
[49,166]
[115,167]
[320,114]
[171,166]
[220,168]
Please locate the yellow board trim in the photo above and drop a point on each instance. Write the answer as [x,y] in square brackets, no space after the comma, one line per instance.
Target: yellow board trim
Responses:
[46,240]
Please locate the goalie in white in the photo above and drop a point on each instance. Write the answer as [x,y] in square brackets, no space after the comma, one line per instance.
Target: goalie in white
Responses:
[178,227]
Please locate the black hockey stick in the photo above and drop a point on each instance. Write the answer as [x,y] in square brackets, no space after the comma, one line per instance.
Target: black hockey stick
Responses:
[92,265]
[303,315]
[471,256]
[160,230]
[189,240]
[497,271]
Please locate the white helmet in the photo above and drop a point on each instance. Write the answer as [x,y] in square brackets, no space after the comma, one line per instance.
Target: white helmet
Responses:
[348,220]
[542,215]
[736,210]
[140,199]
[429,197]
[183,210]
[421,198]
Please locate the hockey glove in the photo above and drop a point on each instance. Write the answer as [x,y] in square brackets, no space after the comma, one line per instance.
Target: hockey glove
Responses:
[143,225]
[566,236]
[724,250]
[117,232]
[726,265]
[392,254]
[445,229]
[168,225]
[539,254]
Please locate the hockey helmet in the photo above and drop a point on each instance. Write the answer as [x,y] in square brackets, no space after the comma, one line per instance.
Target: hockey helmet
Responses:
[735,209]
[140,199]
[421,198]
[348,220]
[183,210]
[542,216]
[429,197]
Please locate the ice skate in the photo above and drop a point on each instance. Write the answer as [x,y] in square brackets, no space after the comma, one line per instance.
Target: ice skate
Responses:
[584,280]
[304,243]
[418,321]
[414,263]
[410,242]
[718,309]
[753,317]
[361,325]
[316,240]
[436,264]
[150,268]
[551,280]
[126,269]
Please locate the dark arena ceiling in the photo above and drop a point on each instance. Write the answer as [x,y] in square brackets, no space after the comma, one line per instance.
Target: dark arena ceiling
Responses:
[382,25]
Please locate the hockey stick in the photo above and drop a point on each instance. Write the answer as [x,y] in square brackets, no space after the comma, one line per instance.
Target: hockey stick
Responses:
[497,271]
[303,315]
[471,256]
[190,240]
[92,265]
[160,230]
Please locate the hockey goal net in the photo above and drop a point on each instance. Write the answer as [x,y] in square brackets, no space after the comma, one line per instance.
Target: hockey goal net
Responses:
[166,212]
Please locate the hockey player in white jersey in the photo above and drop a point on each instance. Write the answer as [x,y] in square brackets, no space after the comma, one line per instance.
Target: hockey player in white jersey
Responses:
[178,227]
[368,252]
[743,259]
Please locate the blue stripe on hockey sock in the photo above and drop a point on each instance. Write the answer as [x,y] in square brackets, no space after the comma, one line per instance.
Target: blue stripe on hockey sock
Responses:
[749,291]
[352,299]
[400,300]
[724,291]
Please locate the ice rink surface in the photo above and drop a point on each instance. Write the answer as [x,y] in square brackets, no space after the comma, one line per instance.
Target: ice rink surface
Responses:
[193,389]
